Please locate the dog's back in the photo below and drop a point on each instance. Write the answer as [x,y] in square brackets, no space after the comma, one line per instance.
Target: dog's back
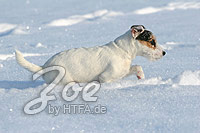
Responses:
[81,64]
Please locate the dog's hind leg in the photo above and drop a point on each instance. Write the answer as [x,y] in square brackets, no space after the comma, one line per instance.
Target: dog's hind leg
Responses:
[137,70]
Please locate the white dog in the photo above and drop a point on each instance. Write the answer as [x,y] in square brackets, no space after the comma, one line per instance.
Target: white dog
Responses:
[105,63]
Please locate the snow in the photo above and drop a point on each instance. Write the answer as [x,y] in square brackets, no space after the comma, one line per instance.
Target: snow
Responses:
[166,101]
[40,45]
[6,29]
[80,18]
[171,6]
[12,56]
[189,78]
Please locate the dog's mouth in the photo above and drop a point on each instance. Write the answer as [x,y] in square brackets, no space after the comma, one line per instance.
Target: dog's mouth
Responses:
[152,55]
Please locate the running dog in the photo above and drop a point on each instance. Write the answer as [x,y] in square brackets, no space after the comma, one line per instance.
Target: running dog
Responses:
[104,63]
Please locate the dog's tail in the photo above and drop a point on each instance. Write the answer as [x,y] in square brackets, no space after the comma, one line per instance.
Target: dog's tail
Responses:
[27,65]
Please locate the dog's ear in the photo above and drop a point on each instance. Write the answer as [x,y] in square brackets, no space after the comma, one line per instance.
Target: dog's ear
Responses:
[137,30]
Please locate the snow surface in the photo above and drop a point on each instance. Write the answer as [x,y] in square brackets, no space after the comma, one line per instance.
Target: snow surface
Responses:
[166,101]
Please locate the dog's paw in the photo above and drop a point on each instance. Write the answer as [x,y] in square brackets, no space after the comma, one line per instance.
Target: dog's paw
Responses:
[140,73]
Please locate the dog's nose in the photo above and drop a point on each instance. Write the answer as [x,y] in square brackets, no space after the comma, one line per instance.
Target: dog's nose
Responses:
[163,53]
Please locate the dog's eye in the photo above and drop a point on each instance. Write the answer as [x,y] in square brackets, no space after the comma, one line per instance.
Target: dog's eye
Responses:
[153,43]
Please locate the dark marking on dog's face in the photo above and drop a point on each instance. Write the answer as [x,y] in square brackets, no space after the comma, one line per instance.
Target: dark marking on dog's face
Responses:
[147,38]
[138,27]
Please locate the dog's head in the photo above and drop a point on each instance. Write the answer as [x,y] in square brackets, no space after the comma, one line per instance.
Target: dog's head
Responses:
[147,44]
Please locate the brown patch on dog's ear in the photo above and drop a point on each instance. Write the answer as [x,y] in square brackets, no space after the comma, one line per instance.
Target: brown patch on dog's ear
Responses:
[148,44]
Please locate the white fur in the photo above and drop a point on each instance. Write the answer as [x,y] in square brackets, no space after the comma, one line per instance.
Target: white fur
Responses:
[103,63]
[29,66]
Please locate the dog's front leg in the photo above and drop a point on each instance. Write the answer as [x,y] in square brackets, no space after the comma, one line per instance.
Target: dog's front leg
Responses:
[137,70]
